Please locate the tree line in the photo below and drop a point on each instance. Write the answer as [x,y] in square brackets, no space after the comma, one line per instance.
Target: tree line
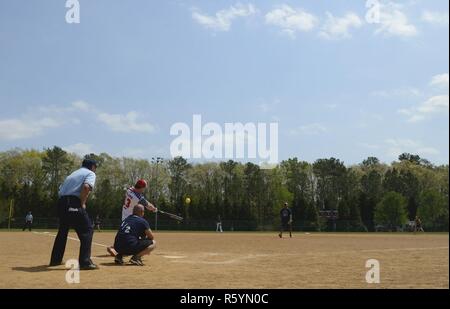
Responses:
[364,195]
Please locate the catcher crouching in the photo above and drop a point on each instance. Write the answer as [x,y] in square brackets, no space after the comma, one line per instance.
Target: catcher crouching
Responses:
[134,238]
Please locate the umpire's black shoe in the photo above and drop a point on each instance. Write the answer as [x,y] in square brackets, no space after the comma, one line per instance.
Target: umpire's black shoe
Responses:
[91,266]
[55,264]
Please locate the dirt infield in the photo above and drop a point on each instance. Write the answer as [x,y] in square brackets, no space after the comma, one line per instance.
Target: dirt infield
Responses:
[236,260]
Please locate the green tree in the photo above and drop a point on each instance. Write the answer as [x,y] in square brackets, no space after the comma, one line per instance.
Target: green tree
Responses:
[254,184]
[371,161]
[349,209]
[371,194]
[410,158]
[300,181]
[431,208]
[403,179]
[237,191]
[178,168]
[330,174]
[391,210]
[56,165]
[232,188]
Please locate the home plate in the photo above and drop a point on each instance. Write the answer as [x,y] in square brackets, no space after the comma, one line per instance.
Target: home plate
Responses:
[174,256]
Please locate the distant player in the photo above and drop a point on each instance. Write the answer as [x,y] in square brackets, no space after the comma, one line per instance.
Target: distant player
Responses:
[418,225]
[134,238]
[286,220]
[133,197]
[28,221]
[219,224]
[97,223]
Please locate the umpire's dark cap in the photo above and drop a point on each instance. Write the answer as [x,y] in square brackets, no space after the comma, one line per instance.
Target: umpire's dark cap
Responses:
[89,163]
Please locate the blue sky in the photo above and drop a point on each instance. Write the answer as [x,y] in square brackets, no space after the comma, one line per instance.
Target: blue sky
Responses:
[336,84]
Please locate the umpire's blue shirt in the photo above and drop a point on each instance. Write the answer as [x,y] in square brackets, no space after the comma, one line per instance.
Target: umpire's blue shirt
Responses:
[74,182]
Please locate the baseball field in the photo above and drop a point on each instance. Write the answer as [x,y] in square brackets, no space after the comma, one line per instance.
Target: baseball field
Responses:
[236,260]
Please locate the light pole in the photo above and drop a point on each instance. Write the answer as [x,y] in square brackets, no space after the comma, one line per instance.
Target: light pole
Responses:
[156,161]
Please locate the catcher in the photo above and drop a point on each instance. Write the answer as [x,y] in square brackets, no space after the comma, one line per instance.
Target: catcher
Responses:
[134,238]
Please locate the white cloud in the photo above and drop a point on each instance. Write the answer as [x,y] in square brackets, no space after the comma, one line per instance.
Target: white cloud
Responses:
[369,146]
[62,110]
[395,147]
[435,18]
[400,92]
[291,20]
[393,22]
[434,105]
[129,122]
[81,106]
[309,129]
[222,20]
[22,128]
[80,149]
[264,107]
[440,80]
[337,28]
[37,120]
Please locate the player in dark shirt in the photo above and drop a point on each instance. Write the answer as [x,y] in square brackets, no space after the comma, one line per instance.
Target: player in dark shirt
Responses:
[134,238]
[97,223]
[418,225]
[286,220]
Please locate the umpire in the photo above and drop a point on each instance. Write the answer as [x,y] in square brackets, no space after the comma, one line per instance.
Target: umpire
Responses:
[73,194]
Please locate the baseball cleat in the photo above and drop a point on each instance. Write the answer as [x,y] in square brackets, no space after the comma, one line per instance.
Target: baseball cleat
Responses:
[91,266]
[136,261]
[118,259]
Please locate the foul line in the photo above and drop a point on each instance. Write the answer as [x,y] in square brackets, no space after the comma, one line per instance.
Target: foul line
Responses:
[71,238]
[406,249]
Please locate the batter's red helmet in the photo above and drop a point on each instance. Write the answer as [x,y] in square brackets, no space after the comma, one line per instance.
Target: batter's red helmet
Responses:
[141,183]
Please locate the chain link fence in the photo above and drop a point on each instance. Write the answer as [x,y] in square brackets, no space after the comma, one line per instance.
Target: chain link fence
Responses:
[165,223]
